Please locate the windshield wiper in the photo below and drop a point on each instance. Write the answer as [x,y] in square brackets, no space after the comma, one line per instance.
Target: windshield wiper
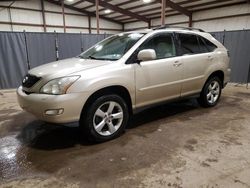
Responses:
[91,57]
[95,58]
[107,59]
[88,57]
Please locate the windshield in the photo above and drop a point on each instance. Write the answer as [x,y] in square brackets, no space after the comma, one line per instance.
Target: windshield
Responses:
[112,48]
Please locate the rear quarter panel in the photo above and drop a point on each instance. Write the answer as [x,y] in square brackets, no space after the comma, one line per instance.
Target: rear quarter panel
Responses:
[221,59]
[220,63]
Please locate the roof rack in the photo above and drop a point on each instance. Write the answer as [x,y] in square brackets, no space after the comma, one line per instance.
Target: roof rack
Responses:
[179,27]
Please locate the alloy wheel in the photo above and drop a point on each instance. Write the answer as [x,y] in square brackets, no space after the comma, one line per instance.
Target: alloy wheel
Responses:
[108,118]
[213,92]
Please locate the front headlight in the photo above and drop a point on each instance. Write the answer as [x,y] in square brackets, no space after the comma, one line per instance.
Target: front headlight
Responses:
[58,86]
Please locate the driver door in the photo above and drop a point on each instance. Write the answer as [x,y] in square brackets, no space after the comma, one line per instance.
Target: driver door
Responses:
[160,79]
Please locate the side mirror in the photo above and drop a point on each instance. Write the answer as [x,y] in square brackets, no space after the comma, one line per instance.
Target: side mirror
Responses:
[146,55]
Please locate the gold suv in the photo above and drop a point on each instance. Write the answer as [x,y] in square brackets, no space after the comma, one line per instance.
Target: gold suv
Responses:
[124,73]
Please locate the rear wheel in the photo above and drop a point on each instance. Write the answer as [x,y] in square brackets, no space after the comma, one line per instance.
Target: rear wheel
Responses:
[105,119]
[211,92]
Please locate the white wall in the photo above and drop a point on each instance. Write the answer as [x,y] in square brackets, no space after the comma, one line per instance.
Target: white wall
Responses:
[235,23]
[157,22]
[170,20]
[75,21]
[133,25]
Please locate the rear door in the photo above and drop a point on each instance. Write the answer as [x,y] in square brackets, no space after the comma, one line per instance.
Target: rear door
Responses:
[196,60]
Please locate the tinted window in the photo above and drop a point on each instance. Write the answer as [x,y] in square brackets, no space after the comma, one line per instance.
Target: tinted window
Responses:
[162,44]
[203,46]
[210,46]
[189,44]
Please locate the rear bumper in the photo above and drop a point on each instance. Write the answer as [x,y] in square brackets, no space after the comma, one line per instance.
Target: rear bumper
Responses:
[227,77]
[69,106]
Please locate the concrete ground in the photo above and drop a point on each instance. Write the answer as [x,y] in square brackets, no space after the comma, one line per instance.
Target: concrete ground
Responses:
[175,145]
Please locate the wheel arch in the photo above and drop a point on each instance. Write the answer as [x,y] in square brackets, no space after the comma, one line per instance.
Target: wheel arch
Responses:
[219,74]
[115,89]
[203,100]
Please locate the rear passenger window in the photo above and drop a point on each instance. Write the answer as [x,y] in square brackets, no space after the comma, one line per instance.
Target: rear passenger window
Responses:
[194,44]
[189,44]
[210,46]
[203,46]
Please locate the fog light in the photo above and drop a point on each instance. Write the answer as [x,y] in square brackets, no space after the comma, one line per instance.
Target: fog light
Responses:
[54,112]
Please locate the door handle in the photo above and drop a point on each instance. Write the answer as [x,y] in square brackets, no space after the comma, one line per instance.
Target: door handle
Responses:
[210,57]
[177,64]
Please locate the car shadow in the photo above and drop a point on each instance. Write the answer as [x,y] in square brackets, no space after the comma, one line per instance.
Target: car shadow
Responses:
[162,111]
[44,136]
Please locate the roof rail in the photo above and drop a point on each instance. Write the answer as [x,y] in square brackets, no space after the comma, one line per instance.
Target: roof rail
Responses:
[179,27]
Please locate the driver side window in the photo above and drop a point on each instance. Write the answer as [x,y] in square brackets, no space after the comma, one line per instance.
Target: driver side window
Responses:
[162,44]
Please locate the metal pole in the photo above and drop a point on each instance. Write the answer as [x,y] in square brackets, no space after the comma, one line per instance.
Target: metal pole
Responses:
[224,35]
[248,75]
[149,24]
[43,15]
[97,16]
[190,24]
[89,21]
[56,46]
[123,28]
[81,42]
[11,25]
[26,48]
[163,8]
[63,14]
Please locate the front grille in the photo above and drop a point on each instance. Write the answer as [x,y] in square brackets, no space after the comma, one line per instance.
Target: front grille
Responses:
[30,80]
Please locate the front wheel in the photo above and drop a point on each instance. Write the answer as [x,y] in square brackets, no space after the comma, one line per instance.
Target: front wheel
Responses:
[211,92]
[105,119]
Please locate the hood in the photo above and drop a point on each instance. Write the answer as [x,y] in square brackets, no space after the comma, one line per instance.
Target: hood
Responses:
[66,67]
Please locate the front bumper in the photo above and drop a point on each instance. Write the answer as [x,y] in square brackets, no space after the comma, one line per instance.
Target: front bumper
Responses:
[68,105]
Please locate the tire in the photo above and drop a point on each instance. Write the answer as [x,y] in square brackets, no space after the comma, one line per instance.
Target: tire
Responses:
[105,118]
[211,92]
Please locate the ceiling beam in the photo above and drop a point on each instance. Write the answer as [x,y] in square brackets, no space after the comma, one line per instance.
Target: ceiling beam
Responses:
[76,3]
[87,7]
[155,15]
[218,6]
[82,11]
[92,6]
[153,2]
[215,2]
[120,10]
[121,4]
[177,7]
[142,12]
[134,7]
